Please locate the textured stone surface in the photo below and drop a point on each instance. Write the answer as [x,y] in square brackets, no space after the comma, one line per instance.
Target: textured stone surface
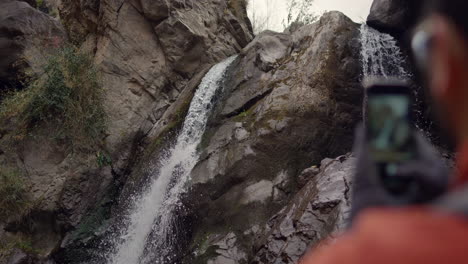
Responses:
[151,56]
[289,101]
[26,35]
[148,51]
[318,211]
[394,16]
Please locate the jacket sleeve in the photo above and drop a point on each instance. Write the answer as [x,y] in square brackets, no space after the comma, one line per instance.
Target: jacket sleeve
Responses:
[403,236]
[341,251]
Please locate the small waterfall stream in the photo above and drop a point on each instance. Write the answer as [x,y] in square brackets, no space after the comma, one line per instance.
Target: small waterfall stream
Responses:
[380,55]
[147,235]
[382,58]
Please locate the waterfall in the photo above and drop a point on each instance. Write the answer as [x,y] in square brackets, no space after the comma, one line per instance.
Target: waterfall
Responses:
[380,55]
[382,58]
[149,222]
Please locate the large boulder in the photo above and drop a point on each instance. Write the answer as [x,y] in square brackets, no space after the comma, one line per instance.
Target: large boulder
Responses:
[290,100]
[26,35]
[394,16]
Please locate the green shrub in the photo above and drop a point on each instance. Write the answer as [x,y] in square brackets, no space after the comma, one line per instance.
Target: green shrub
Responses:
[65,100]
[12,193]
[103,159]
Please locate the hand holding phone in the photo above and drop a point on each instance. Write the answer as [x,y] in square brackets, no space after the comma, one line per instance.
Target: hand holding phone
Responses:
[396,165]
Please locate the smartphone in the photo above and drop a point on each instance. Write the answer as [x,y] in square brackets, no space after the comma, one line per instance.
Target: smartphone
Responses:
[389,129]
[389,121]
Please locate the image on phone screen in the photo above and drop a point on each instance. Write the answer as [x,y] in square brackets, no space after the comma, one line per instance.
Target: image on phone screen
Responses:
[389,128]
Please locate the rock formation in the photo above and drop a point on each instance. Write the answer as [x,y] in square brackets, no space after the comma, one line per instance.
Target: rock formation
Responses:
[289,101]
[148,51]
[24,34]
[148,54]
[394,16]
[317,212]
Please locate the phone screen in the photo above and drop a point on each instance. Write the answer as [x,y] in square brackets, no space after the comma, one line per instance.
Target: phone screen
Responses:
[389,126]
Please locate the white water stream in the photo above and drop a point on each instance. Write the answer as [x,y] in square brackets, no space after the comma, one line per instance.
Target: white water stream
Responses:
[380,55]
[382,58]
[150,219]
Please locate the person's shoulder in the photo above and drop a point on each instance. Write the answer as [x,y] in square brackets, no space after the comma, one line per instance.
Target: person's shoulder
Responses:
[412,235]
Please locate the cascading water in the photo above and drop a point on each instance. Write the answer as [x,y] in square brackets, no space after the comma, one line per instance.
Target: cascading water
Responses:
[149,223]
[382,58]
[380,55]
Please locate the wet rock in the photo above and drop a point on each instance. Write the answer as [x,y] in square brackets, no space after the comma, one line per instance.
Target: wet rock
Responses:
[288,102]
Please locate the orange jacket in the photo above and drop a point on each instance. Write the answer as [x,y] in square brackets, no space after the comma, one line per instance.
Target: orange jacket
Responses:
[409,236]
[414,235]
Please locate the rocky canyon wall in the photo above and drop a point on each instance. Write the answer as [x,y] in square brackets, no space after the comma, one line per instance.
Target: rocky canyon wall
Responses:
[263,190]
[147,53]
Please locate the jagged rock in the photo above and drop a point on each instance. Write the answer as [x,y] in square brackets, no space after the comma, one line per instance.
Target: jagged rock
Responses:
[148,51]
[289,101]
[319,210]
[227,251]
[308,174]
[25,35]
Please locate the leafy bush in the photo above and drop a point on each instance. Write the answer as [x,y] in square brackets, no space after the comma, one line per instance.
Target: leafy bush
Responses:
[12,193]
[65,100]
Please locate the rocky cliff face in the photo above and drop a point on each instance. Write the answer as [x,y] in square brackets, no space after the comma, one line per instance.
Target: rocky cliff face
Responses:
[289,101]
[147,53]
